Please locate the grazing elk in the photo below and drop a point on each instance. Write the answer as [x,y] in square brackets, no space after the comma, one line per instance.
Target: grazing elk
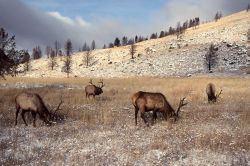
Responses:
[211,96]
[93,89]
[32,102]
[156,102]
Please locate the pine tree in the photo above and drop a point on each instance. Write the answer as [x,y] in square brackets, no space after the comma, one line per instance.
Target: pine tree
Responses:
[117,42]
[136,39]
[68,48]
[131,41]
[84,47]
[218,16]
[37,52]
[141,39]
[93,46]
[162,34]
[124,41]
[26,61]
[52,60]
[111,45]
[153,36]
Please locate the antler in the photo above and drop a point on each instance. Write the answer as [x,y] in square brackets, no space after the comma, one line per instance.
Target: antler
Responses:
[181,104]
[90,81]
[218,95]
[58,107]
[101,81]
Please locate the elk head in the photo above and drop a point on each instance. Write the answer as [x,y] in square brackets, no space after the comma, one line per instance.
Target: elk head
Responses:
[99,88]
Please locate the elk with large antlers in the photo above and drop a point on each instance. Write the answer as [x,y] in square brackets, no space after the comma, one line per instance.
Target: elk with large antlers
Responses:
[93,89]
[32,102]
[211,96]
[156,102]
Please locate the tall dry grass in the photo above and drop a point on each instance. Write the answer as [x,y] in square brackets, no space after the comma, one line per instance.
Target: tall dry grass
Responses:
[221,128]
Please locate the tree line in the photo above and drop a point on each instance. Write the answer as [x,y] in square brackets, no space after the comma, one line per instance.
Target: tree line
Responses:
[178,30]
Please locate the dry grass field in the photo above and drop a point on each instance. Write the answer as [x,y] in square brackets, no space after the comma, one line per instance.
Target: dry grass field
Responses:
[103,131]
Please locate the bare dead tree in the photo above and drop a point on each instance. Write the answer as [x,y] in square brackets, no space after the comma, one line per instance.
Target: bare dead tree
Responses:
[52,60]
[48,50]
[87,57]
[178,30]
[26,61]
[57,47]
[132,50]
[68,59]
[67,65]
[211,57]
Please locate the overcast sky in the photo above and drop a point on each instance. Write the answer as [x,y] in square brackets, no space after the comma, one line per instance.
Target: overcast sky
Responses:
[41,22]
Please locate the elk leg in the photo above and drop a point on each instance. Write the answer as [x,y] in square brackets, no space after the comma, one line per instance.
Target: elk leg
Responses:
[23,112]
[17,112]
[165,115]
[143,117]
[34,118]
[154,117]
[136,112]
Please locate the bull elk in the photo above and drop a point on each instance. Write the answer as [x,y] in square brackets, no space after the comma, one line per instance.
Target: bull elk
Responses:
[32,102]
[93,89]
[211,96]
[156,102]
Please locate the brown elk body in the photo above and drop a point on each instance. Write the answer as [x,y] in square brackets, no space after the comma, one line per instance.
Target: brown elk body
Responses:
[211,90]
[156,102]
[32,102]
[93,89]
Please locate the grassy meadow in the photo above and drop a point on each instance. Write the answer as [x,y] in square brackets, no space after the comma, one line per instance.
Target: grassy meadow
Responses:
[103,131]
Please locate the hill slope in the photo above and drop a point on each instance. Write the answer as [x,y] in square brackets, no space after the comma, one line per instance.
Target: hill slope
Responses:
[165,56]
